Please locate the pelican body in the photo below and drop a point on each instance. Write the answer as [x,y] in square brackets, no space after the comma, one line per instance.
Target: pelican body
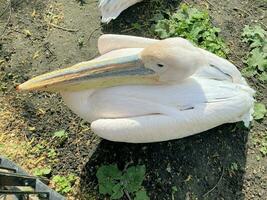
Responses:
[111,9]
[145,90]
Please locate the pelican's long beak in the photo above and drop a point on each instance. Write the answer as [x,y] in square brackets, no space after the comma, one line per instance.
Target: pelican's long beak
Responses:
[94,74]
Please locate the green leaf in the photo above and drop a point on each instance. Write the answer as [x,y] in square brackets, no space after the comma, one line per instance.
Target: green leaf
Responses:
[134,177]
[256,43]
[108,176]
[42,171]
[263,77]
[106,188]
[259,111]
[63,183]
[263,150]
[174,189]
[250,33]
[249,71]
[117,191]
[141,195]
[257,59]
[108,172]
[60,134]
[194,25]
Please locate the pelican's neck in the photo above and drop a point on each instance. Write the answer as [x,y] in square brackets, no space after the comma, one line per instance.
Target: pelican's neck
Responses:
[79,102]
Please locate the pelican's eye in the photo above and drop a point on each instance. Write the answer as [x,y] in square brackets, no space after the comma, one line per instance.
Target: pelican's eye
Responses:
[160,65]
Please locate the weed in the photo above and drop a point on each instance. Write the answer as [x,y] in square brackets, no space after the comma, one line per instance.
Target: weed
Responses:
[260,140]
[194,25]
[259,111]
[61,136]
[63,184]
[52,153]
[256,62]
[174,190]
[234,166]
[81,41]
[42,171]
[116,183]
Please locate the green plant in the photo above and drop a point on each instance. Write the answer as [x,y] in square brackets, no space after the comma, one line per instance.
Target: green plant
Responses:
[116,183]
[260,140]
[63,184]
[174,190]
[194,25]
[259,111]
[256,62]
[61,135]
[51,153]
[42,171]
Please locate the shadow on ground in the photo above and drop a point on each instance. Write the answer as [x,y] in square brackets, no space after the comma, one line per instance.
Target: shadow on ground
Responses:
[206,166]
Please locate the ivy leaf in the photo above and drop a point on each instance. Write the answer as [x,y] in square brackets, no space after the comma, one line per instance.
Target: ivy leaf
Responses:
[134,177]
[117,191]
[141,195]
[259,111]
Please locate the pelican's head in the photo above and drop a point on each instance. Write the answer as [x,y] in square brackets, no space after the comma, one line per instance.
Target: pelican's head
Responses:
[164,61]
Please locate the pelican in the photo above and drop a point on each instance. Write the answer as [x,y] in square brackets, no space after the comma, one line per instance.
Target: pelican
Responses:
[111,9]
[142,90]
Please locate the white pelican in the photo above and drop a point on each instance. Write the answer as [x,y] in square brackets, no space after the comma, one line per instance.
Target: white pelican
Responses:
[111,9]
[144,90]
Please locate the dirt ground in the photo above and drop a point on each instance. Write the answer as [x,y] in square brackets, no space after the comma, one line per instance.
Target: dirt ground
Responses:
[37,36]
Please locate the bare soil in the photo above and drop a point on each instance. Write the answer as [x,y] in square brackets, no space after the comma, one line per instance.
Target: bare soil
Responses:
[37,36]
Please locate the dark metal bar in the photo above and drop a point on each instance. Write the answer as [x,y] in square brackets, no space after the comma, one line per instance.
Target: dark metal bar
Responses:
[22,192]
[13,179]
[21,176]
[8,169]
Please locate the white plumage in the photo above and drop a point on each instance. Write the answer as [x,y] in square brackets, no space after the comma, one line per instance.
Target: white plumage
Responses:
[111,9]
[193,90]
[209,98]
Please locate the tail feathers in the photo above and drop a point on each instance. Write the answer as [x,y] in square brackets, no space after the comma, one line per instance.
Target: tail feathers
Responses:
[111,9]
[248,117]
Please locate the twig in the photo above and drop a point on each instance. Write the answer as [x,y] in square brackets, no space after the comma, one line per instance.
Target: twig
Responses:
[244,11]
[127,194]
[132,28]
[127,164]
[63,28]
[91,34]
[263,25]
[8,20]
[215,184]
[210,3]
[4,11]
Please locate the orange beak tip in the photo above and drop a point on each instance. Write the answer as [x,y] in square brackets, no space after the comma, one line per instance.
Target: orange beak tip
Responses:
[18,88]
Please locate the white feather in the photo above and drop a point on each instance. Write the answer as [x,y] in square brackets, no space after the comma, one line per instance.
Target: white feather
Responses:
[111,9]
[143,113]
